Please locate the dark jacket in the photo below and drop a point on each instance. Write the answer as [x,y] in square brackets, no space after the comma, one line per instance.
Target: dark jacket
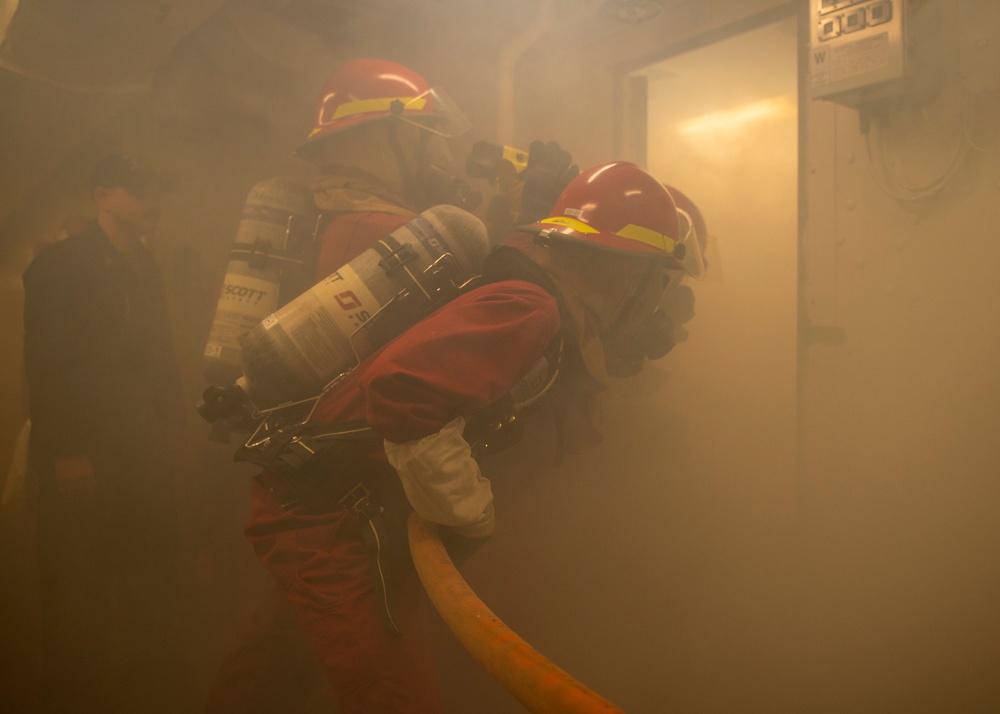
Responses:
[97,347]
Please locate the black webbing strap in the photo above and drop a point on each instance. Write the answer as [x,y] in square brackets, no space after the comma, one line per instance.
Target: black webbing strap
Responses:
[399,260]
[302,457]
[259,253]
[291,450]
[297,455]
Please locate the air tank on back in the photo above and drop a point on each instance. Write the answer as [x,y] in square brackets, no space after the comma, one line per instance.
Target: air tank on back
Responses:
[296,351]
[277,222]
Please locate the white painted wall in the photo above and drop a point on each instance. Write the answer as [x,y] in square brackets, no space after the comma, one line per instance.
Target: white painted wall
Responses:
[881,594]
[900,485]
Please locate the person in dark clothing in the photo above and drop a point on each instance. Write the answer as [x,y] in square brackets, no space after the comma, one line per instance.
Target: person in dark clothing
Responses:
[104,402]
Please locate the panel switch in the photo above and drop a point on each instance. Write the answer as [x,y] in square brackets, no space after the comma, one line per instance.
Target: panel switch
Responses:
[854,20]
[879,12]
[829,28]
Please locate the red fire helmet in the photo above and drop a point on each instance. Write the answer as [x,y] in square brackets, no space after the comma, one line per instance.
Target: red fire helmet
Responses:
[365,90]
[619,207]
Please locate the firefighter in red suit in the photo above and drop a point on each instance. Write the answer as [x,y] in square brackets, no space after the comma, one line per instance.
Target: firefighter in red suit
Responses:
[377,141]
[579,289]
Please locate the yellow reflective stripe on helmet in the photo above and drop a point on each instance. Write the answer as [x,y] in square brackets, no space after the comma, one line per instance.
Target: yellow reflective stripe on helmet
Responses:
[649,237]
[578,226]
[383,104]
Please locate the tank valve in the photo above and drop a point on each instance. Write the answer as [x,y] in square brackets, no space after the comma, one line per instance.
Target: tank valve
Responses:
[221,403]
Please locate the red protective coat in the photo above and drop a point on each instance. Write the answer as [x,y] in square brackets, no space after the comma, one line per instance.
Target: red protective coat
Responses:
[349,235]
[466,355]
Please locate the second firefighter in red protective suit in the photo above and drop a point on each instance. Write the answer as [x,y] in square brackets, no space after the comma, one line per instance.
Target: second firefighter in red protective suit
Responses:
[378,143]
[578,292]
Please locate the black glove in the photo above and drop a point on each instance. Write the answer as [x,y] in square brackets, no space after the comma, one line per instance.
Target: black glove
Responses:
[678,303]
[550,167]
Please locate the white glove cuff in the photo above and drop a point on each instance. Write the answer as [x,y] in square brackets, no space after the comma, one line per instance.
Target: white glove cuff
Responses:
[443,482]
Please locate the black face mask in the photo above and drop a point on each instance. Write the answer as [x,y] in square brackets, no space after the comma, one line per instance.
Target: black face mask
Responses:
[653,340]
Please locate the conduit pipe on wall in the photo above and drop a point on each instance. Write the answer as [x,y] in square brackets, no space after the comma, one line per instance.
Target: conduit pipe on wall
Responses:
[507,61]
[534,681]
[7,10]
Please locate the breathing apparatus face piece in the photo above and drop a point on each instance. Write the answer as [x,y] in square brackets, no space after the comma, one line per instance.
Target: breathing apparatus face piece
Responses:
[632,339]
[621,293]
[438,184]
[692,261]
[422,155]
[639,330]
[654,340]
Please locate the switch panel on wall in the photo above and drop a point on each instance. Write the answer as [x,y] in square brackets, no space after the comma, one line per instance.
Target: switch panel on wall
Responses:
[857,49]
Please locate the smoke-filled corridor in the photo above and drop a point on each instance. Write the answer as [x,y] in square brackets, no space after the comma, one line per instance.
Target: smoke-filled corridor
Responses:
[794,509]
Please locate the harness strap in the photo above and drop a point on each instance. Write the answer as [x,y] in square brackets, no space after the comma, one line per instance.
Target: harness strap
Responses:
[373,530]
[295,454]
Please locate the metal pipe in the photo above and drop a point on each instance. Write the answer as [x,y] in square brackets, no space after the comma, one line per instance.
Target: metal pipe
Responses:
[534,681]
[7,10]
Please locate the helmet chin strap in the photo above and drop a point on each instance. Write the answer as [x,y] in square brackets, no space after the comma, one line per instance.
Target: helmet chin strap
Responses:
[405,172]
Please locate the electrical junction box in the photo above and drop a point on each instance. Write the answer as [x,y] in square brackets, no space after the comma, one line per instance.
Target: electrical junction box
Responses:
[857,50]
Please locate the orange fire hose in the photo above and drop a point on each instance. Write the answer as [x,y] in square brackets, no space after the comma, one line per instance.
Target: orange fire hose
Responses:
[537,683]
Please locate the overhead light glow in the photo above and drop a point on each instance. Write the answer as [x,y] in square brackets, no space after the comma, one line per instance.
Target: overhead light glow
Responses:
[737,119]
